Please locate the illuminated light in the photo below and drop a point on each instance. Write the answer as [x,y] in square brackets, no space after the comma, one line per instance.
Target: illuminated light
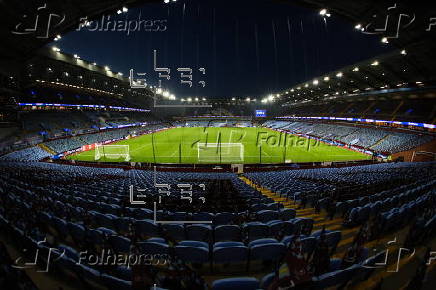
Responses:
[196,99]
[182,100]
[119,11]
[375,63]
[125,9]
[107,68]
[356,69]
[120,74]
[403,52]
[94,63]
[306,85]
[54,48]
[326,79]
[292,90]
[166,1]
[159,91]
[298,88]
[358,26]
[270,97]
[247,99]
[264,100]
[315,82]
[204,99]
[324,12]
[384,40]
[76,56]
[166,94]
[339,74]
[418,83]
[233,99]
[278,95]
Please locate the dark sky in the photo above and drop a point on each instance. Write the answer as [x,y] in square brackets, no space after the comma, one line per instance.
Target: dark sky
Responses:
[248,48]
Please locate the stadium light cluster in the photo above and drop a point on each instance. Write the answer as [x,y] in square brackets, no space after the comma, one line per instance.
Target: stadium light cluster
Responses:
[165,94]
[324,13]
[78,87]
[124,9]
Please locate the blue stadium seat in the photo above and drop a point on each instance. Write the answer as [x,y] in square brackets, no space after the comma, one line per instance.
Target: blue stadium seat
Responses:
[227,233]
[241,283]
[199,232]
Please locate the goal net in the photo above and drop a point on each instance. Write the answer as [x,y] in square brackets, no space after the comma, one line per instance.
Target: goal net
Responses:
[220,152]
[120,152]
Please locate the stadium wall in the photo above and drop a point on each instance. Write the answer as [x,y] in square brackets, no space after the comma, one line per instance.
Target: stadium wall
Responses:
[408,156]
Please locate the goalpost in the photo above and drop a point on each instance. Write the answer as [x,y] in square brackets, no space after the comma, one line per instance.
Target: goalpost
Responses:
[112,152]
[220,152]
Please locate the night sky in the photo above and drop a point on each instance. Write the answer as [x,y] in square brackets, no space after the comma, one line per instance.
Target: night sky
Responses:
[248,48]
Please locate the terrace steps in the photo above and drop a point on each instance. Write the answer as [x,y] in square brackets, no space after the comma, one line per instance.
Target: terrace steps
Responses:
[46,148]
[379,141]
[321,219]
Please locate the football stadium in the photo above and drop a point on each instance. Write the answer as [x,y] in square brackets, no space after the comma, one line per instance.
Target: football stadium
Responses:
[217,144]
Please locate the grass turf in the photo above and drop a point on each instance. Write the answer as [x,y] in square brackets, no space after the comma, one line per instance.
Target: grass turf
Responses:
[259,145]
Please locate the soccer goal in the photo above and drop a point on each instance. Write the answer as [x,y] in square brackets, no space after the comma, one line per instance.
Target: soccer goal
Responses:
[220,152]
[112,152]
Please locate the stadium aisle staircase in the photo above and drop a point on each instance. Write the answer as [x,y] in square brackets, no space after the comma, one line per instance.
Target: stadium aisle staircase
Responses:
[320,219]
[348,235]
[46,148]
[380,141]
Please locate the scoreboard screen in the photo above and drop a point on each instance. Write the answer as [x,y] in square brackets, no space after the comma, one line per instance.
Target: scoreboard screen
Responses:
[260,113]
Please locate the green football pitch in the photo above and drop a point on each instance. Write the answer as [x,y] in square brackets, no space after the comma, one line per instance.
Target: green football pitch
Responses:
[219,145]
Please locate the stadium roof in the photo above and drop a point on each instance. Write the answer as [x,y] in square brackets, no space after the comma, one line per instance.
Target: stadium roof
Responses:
[413,63]
[68,14]
[398,71]
[411,28]
[51,18]
[372,15]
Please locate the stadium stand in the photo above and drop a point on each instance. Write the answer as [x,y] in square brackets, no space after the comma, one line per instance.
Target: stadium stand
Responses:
[95,215]
[365,221]
[378,139]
